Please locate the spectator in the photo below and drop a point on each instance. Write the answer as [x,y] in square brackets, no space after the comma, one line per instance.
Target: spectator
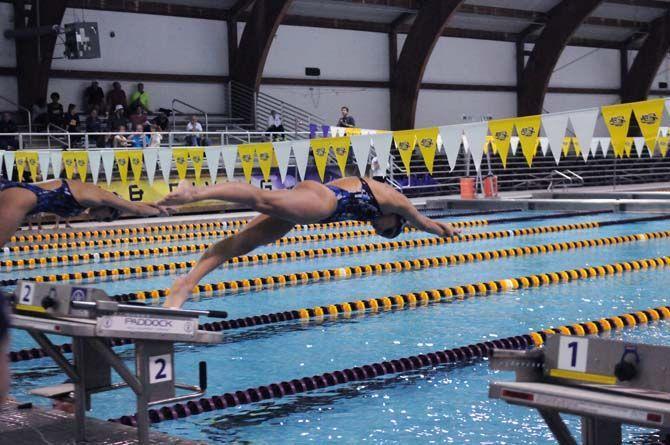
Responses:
[94,97]
[139,117]
[71,119]
[275,125]
[120,140]
[376,170]
[94,125]
[156,138]
[346,120]
[7,125]
[139,139]
[196,138]
[118,119]
[116,97]
[162,121]
[140,98]
[55,110]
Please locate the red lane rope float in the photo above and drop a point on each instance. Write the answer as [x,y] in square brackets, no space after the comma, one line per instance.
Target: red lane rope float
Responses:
[459,355]
[398,301]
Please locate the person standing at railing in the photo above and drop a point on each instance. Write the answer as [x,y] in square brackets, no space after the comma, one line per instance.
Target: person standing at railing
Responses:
[195,128]
[116,97]
[94,97]
[94,125]
[156,138]
[140,98]
[275,125]
[71,122]
[7,125]
[347,120]
[55,110]
[139,139]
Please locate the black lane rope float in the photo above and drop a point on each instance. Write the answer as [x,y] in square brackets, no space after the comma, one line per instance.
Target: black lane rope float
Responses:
[399,301]
[119,255]
[117,242]
[460,355]
[306,277]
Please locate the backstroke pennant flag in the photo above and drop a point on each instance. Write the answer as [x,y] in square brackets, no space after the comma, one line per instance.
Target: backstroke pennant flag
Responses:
[382,145]
[44,160]
[246,152]
[301,154]
[264,153]
[451,136]
[617,120]
[150,161]
[628,146]
[426,139]
[56,163]
[584,124]
[70,164]
[649,115]
[165,160]
[135,160]
[501,132]
[107,156]
[514,144]
[544,145]
[528,131]
[181,161]
[360,144]
[20,160]
[82,164]
[229,155]
[94,163]
[283,155]
[405,141]
[32,160]
[663,144]
[638,142]
[320,149]
[341,149]
[476,136]
[9,163]
[122,163]
[213,155]
[197,156]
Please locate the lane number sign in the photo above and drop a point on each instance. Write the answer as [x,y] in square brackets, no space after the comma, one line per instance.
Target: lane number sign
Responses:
[572,353]
[160,368]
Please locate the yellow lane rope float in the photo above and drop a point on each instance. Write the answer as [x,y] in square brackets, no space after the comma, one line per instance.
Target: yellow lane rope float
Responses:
[121,255]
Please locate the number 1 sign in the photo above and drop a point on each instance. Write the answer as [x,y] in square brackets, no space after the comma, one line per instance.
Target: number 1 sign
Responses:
[572,353]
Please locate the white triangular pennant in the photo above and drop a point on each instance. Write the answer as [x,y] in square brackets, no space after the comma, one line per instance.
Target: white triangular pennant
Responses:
[9,164]
[544,145]
[44,159]
[94,164]
[360,144]
[301,154]
[476,136]
[584,123]
[514,144]
[382,145]
[554,126]
[150,162]
[56,162]
[667,106]
[229,154]
[213,155]
[108,164]
[639,145]
[165,160]
[605,145]
[452,136]
[595,142]
[465,142]
[283,155]
[663,131]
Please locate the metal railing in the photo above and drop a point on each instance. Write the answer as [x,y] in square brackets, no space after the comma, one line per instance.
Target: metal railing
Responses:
[29,115]
[59,130]
[192,107]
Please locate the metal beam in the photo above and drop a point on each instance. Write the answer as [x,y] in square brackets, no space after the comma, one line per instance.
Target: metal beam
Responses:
[564,20]
[34,55]
[406,82]
[649,58]
[238,8]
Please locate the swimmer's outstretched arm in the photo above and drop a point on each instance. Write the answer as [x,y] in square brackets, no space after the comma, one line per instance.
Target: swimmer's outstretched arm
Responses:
[89,195]
[404,207]
[238,192]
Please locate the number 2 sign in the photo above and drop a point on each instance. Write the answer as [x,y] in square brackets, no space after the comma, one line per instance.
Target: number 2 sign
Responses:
[160,368]
[572,353]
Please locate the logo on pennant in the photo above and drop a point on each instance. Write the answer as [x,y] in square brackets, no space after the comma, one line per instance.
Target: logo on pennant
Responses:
[246,157]
[180,160]
[135,161]
[426,142]
[404,146]
[649,118]
[617,121]
[320,151]
[528,131]
[501,135]
[121,161]
[69,162]
[264,156]
[341,151]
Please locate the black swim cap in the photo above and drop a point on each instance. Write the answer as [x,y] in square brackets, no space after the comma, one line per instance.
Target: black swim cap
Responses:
[394,231]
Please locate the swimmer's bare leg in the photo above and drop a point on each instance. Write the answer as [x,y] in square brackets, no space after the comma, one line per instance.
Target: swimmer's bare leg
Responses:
[14,212]
[260,231]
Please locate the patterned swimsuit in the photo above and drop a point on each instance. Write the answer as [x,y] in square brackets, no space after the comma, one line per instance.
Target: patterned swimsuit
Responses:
[59,201]
[357,206]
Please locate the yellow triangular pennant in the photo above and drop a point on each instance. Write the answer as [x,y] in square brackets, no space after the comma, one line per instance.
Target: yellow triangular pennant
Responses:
[70,163]
[426,139]
[122,162]
[617,120]
[501,133]
[246,153]
[20,161]
[320,149]
[197,156]
[565,147]
[576,146]
[82,164]
[663,144]
[341,149]
[528,130]
[405,141]
[264,152]
[628,146]
[352,131]
[180,156]
[32,160]
[649,115]
[135,159]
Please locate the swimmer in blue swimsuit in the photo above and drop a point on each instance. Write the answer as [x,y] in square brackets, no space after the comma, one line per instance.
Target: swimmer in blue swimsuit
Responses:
[64,198]
[309,202]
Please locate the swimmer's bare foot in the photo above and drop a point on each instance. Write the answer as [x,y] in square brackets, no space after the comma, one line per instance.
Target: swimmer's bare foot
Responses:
[183,194]
[179,293]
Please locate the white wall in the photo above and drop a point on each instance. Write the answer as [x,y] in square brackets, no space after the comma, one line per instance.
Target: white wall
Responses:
[7,48]
[8,89]
[370,107]
[587,67]
[436,107]
[562,102]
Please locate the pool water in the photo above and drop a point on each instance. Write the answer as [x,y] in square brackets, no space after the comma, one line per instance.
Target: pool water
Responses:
[443,405]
